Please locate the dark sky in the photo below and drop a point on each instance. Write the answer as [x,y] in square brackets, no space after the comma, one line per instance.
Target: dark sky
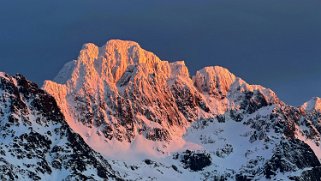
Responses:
[275,43]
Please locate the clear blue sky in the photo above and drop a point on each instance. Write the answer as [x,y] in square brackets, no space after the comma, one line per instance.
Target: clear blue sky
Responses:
[275,43]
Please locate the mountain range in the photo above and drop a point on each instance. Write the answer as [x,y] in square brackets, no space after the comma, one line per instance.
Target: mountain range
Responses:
[119,112]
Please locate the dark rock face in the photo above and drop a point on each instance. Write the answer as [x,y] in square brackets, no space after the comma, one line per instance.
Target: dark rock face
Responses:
[158,134]
[195,161]
[187,102]
[171,107]
[312,123]
[240,177]
[220,118]
[313,174]
[149,162]
[236,116]
[253,101]
[36,142]
[225,151]
[289,156]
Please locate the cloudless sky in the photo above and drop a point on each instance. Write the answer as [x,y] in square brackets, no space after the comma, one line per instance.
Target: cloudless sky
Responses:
[275,43]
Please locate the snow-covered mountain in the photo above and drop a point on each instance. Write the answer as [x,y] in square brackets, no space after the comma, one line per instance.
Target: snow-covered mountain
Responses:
[151,120]
[120,94]
[312,105]
[37,143]
[156,121]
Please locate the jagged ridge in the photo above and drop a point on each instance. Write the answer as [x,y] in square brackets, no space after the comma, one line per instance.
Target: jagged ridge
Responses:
[37,143]
[125,102]
[120,87]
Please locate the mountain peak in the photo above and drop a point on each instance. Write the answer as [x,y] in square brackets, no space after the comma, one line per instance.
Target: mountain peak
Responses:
[122,50]
[149,116]
[214,80]
[128,52]
[121,92]
[90,50]
[121,43]
[2,74]
[108,62]
[312,104]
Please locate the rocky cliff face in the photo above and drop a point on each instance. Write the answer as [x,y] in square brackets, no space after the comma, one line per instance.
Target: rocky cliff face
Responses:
[155,121]
[126,102]
[313,105]
[120,91]
[37,143]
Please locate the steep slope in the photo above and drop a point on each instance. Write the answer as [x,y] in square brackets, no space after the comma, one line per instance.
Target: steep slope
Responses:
[309,127]
[312,105]
[156,121]
[120,93]
[36,142]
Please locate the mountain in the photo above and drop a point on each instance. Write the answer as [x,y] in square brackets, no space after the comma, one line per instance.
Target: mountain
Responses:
[312,105]
[157,122]
[119,92]
[36,141]
[118,112]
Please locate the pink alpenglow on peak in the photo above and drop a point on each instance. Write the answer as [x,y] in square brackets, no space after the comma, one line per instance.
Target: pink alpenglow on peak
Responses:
[313,104]
[150,119]
[121,98]
[214,80]
[2,74]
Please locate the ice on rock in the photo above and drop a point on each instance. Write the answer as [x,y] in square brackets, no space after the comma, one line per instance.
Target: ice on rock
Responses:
[313,104]
[214,80]
[129,105]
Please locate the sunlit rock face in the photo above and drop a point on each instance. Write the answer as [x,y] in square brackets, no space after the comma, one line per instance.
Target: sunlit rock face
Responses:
[37,143]
[312,105]
[129,105]
[214,80]
[119,91]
